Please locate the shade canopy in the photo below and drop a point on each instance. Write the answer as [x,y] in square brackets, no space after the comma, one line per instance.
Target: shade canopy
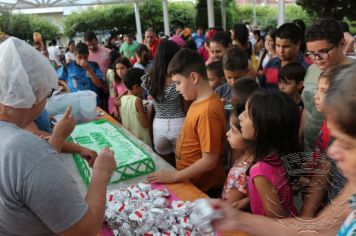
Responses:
[28,4]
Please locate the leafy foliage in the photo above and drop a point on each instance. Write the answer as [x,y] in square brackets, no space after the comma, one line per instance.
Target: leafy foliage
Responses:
[121,18]
[23,26]
[267,16]
[330,8]
[202,13]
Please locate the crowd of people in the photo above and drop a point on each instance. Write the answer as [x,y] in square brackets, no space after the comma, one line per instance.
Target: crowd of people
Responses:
[262,120]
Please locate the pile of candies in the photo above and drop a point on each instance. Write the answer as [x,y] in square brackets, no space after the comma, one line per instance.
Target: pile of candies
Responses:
[141,210]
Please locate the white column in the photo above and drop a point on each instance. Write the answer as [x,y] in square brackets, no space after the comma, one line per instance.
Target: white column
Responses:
[254,12]
[165,17]
[281,15]
[138,22]
[211,18]
[223,15]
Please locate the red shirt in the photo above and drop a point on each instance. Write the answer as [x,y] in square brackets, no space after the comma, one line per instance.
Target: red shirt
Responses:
[323,141]
[153,47]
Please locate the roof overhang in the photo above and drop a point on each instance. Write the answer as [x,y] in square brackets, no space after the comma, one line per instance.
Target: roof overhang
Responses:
[29,4]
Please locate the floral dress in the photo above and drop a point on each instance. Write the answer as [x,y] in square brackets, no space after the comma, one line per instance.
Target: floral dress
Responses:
[236,179]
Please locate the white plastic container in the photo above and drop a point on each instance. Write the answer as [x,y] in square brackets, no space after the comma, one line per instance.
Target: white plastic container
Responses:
[83,105]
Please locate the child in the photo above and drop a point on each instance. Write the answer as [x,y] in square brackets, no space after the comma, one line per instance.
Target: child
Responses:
[201,139]
[168,104]
[143,57]
[218,45]
[325,80]
[215,74]
[291,78]
[133,115]
[235,66]
[270,123]
[242,89]
[122,65]
[235,188]
[329,184]
[110,78]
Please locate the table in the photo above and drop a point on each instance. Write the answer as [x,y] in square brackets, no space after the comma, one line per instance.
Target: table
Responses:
[185,191]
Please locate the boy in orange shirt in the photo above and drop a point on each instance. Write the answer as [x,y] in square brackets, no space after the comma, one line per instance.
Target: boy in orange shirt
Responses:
[201,139]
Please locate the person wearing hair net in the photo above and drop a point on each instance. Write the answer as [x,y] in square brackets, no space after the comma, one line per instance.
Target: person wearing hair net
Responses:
[38,196]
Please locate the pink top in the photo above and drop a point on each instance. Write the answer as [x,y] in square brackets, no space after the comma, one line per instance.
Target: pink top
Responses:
[101,56]
[277,176]
[120,88]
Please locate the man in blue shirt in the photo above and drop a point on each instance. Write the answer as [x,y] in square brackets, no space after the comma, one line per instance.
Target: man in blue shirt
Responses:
[82,74]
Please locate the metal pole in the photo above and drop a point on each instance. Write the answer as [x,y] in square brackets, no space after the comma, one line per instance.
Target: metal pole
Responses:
[223,15]
[165,17]
[281,15]
[138,22]
[211,19]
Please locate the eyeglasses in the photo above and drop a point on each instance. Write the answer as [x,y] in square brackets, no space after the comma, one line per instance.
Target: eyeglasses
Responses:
[321,54]
[50,93]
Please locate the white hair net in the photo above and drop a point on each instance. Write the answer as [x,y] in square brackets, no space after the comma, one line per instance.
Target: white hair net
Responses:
[26,76]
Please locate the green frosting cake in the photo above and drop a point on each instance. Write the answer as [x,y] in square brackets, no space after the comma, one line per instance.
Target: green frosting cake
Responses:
[131,159]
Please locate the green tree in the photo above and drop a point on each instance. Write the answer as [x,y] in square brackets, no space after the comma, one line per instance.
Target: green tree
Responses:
[330,8]
[121,18]
[46,28]
[17,25]
[202,13]
[23,26]
[182,14]
[266,16]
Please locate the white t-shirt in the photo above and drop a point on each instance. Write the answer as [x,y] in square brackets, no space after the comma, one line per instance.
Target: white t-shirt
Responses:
[69,57]
[54,54]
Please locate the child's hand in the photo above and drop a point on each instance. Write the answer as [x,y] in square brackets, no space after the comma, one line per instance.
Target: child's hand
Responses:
[84,63]
[88,155]
[162,176]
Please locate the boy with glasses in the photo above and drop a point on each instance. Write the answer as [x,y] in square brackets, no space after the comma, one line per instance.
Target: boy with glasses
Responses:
[325,45]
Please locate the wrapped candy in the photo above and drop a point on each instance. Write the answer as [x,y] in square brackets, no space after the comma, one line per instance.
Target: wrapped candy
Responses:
[181,208]
[118,195]
[153,232]
[109,214]
[146,224]
[141,210]
[160,218]
[160,202]
[157,193]
[133,203]
[185,223]
[140,195]
[133,188]
[125,229]
[202,215]
[115,223]
[145,186]
[168,233]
